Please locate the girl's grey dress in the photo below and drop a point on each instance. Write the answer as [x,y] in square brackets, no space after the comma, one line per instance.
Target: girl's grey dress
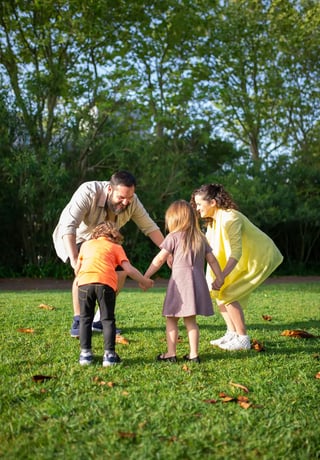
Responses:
[187,292]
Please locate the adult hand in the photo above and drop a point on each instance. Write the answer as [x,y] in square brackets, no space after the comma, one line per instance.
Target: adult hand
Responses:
[216,285]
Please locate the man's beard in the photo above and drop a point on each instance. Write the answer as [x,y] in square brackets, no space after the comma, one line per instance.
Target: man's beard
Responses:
[116,208]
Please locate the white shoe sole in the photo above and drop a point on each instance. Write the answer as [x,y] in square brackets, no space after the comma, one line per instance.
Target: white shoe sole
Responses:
[238,347]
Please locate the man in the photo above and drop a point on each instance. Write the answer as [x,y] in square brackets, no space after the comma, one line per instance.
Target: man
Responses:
[93,203]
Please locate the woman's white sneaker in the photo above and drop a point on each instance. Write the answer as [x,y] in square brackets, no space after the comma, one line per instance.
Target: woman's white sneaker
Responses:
[239,342]
[229,335]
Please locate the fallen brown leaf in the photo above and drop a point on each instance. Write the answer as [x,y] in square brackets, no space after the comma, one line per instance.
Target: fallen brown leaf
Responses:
[99,381]
[241,400]
[244,405]
[298,333]
[26,330]
[256,345]
[317,376]
[122,340]
[185,368]
[267,317]
[46,307]
[238,385]
[225,397]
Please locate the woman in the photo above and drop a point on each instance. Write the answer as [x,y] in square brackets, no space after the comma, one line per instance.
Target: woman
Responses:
[246,255]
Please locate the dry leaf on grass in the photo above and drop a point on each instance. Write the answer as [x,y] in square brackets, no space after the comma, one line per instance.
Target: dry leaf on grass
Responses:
[26,330]
[298,333]
[46,307]
[267,317]
[225,398]
[121,340]
[108,384]
[238,385]
[244,405]
[186,368]
[317,376]
[257,346]
[241,400]
[99,381]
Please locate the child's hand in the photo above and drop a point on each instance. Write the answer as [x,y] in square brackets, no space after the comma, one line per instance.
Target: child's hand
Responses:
[147,284]
[216,285]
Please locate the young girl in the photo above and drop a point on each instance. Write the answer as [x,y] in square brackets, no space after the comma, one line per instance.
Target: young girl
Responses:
[246,254]
[187,293]
[98,281]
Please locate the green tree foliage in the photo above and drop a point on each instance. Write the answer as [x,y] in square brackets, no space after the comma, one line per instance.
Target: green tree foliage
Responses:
[283,199]
[258,68]
[175,91]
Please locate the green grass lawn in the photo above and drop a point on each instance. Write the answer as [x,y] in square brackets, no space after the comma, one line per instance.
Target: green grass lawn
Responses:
[142,409]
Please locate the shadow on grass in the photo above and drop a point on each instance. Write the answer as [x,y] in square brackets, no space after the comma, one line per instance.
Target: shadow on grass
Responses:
[270,349]
[269,326]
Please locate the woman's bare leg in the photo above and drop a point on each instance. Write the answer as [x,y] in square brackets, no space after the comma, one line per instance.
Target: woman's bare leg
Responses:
[236,317]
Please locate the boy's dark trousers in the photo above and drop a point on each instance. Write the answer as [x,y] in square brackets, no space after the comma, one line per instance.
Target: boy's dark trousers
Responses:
[89,294]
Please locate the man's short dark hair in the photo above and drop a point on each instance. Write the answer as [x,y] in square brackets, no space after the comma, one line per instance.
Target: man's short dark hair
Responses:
[123,178]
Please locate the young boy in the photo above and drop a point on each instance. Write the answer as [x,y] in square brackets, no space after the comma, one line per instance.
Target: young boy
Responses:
[97,281]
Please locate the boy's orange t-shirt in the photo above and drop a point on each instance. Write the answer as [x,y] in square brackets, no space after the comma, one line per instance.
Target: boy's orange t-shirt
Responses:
[99,259]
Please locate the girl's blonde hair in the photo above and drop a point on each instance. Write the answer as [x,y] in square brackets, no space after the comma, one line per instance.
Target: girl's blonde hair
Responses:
[181,217]
[107,230]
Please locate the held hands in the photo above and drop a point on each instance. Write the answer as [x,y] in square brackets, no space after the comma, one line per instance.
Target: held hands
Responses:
[216,285]
[147,284]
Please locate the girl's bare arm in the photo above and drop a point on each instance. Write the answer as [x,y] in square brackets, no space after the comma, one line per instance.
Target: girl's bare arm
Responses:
[215,267]
[157,263]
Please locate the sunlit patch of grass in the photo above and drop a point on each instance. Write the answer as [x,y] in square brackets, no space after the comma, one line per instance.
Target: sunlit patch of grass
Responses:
[143,409]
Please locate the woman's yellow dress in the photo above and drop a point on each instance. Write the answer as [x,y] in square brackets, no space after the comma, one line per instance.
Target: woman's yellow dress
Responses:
[232,234]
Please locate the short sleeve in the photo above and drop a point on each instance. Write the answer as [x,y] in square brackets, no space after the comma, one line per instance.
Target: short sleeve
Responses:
[168,243]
